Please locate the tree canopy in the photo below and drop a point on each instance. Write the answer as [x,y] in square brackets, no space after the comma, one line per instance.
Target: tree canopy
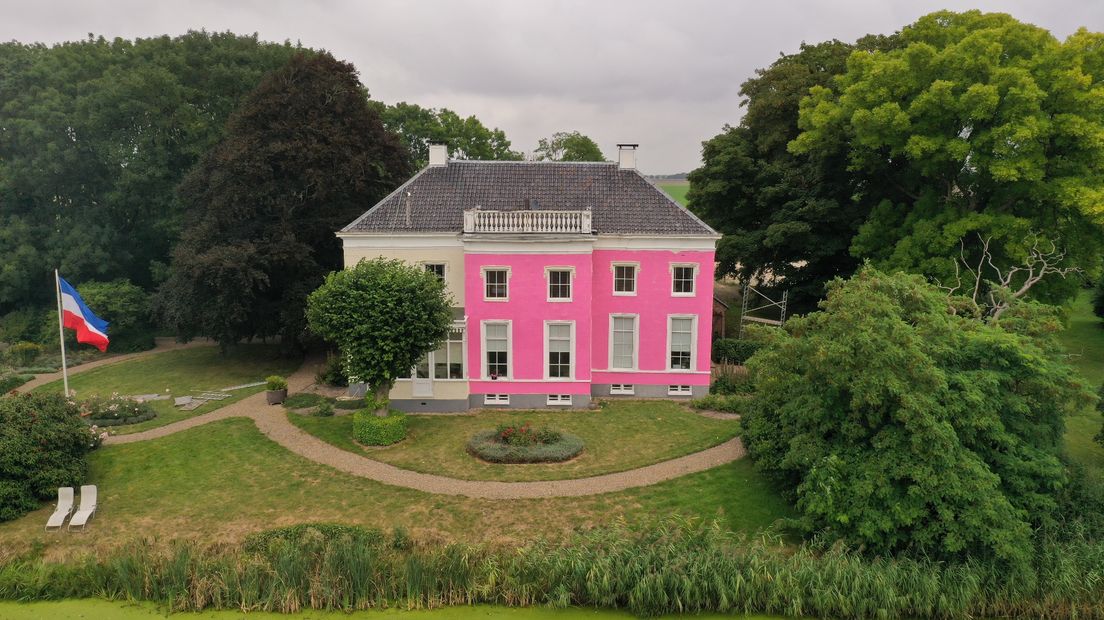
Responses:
[467,138]
[568,146]
[95,136]
[897,420]
[301,158]
[975,123]
[384,316]
[787,219]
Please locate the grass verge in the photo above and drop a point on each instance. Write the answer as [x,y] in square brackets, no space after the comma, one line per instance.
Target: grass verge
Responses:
[620,436]
[181,372]
[225,480]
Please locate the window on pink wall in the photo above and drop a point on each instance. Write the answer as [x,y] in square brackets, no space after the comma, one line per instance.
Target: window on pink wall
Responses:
[623,342]
[559,350]
[496,343]
[681,339]
[624,279]
[682,280]
[496,284]
[559,284]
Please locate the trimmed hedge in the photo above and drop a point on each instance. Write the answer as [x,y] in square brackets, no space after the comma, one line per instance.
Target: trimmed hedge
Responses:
[149,415]
[487,446]
[356,403]
[733,350]
[372,430]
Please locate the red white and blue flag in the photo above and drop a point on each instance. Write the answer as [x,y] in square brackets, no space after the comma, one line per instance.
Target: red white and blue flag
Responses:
[91,329]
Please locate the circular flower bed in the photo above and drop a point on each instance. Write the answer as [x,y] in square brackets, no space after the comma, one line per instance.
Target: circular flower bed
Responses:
[115,411]
[521,443]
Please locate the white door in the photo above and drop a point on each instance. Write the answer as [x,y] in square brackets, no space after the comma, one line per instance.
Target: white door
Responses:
[423,380]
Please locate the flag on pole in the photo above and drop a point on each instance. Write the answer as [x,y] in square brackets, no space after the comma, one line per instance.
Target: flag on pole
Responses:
[91,329]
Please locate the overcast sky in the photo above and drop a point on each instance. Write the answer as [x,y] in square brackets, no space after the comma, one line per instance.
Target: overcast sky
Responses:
[665,75]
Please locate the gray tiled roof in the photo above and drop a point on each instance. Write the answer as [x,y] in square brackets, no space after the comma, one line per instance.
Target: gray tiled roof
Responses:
[622,201]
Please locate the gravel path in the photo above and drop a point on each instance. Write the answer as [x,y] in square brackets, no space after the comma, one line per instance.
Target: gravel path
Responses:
[161,345]
[272,421]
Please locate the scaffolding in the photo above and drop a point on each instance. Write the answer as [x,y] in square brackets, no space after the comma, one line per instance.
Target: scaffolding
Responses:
[764,302]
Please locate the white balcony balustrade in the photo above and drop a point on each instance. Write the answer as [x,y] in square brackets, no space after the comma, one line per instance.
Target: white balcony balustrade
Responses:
[527,221]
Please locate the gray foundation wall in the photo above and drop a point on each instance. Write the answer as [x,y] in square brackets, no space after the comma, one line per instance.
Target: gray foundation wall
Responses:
[430,405]
[602,390]
[531,401]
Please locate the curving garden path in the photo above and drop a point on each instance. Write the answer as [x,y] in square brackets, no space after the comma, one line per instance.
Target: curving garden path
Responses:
[274,424]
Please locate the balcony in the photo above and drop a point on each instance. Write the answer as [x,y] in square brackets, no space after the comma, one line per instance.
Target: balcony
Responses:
[527,221]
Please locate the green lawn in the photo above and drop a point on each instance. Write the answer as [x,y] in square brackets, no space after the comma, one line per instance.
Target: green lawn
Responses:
[221,481]
[180,373]
[106,610]
[1084,340]
[676,191]
[623,435]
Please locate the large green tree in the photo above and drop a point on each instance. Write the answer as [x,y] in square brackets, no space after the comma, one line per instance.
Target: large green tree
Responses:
[977,130]
[898,420]
[467,138]
[568,146]
[302,157]
[787,219]
[95,136]
[384,316]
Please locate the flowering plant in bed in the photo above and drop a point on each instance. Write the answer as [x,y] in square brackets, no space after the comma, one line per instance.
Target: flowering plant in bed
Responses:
[115,410]
[521,443]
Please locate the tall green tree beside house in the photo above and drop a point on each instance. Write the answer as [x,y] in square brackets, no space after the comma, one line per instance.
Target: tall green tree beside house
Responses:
[467,138]
[301,157]
[95,136]
[898,421]
[384,316]
[976,131]
[568,146]
[787,219]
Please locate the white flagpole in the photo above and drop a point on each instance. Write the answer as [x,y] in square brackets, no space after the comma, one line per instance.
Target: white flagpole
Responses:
[61,333]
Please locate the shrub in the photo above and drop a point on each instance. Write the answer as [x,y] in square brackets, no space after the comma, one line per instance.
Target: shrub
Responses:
[22,324]
[332,372]
[733,350]
[1098,299]
[43,444]
[731,379]
[115,410]
[372,430]
[723,403]
[10,382]
[303,400]
[325,410]
[493,447]
[275,382]
[23,353]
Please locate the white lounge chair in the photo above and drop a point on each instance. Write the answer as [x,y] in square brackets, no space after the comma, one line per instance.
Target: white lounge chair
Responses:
[63,510]
[87,507]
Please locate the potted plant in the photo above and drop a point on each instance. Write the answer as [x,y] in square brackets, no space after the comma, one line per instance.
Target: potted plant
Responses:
[277,390]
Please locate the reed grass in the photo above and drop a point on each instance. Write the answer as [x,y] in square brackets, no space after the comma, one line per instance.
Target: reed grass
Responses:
[679,567]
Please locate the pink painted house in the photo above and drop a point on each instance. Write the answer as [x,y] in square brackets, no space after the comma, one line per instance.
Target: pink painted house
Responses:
[570,281]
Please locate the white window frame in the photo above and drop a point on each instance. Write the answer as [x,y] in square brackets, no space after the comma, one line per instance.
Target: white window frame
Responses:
[483,277]
[509,348]
[693,282]
[571,366]
[680,390]
[693,342]
[560,400]
[636,278]
[570,283]
[622,389]
[444,267]
[636,340]
[448,357]
[496,399]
